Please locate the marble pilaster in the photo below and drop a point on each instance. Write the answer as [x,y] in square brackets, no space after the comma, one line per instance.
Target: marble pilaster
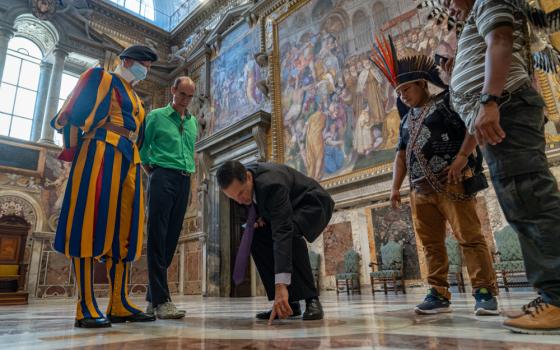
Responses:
[47,133]
[41,101]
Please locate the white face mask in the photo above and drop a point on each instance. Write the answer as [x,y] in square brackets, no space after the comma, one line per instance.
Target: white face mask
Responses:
[139,71]
[124,73]
[130,75]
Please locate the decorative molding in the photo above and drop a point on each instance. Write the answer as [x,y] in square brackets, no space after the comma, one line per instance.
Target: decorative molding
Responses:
[115,14]
[16,204]
[216,139]
[40,32]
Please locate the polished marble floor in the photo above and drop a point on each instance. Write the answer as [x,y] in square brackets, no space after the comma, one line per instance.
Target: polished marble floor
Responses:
[355,322]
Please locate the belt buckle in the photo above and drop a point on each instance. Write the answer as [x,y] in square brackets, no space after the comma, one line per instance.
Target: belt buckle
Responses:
[132,136]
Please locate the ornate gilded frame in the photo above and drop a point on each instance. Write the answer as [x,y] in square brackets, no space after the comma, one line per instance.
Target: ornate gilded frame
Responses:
[277,118]
[543,79]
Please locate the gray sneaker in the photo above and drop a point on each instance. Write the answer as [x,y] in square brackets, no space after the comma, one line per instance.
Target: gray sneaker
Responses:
[486,304]
[150,309]
[169,311]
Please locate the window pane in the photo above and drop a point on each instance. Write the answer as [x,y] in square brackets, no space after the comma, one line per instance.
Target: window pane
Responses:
[29,76]
[7,97]
[133,5]
[25,103]
[21,128]
[11,70]
[67,85]
[149,11]
[58,139]
[4,124]
[29,46]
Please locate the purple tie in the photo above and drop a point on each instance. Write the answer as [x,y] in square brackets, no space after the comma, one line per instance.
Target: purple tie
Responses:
[242,258]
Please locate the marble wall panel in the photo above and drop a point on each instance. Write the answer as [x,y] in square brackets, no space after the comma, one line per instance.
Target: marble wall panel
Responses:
[193,265]
[396,225]
[337,240]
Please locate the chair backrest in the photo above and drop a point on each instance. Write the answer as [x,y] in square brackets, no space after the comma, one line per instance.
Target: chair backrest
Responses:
[507,243]
[314,260]
[391,256]
[351,261]
[453,251]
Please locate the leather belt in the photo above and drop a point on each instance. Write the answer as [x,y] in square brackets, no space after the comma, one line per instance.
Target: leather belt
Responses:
[130,135]
[180,172]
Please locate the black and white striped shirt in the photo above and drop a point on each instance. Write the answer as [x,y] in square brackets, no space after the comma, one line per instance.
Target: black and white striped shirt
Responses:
[468,74]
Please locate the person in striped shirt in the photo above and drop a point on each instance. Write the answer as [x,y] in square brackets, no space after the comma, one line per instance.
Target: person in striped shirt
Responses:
[102,214]
[491,90]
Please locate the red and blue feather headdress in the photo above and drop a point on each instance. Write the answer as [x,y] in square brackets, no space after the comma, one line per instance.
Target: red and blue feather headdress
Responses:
[405,70]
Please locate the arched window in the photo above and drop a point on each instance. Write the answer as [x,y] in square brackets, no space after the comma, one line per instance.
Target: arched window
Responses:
[362,31]
[18,91]
[67,84]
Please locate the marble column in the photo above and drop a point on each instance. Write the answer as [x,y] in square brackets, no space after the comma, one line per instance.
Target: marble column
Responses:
[47,133]
[41,101]
[5,35]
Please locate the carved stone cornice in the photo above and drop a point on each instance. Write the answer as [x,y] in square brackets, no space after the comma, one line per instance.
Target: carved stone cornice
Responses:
[267,7]
[243,139]
[114,13]
[203,14]
[228,20]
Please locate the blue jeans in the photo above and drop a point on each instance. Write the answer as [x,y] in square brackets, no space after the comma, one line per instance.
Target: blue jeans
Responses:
[527,190]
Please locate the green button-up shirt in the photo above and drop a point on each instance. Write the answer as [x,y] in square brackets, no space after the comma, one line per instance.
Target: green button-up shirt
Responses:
[169,141]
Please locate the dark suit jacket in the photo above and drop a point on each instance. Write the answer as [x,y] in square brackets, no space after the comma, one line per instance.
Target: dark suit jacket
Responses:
[291,204]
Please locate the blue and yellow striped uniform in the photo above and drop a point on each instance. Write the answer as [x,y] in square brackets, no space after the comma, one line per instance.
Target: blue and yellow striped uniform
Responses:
[103,211]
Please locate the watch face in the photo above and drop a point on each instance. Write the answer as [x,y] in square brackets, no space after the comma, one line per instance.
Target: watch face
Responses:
[484,98]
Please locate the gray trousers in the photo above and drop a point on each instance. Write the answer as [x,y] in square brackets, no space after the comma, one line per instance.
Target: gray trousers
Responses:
[527,191]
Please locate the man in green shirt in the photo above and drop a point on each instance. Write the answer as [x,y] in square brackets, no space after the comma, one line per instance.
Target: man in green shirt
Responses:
[168,158]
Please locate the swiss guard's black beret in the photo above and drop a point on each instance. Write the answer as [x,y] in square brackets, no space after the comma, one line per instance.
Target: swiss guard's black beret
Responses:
[139,53]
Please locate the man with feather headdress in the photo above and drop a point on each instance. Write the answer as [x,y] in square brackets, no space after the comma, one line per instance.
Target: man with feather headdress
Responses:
[435,150]
[491,90]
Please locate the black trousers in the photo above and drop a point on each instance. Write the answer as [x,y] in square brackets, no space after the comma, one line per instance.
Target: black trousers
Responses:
[168,195]
[302,285]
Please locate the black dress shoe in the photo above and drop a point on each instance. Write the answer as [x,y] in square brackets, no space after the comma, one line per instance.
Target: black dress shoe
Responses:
[139,317]
[313,310]
[101,322]
[296,309]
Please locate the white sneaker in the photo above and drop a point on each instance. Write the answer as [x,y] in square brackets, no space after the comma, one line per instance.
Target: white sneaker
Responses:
[150,309]
[169,311]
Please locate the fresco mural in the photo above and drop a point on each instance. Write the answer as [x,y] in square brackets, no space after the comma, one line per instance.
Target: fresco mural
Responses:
[338,113]
[396,225]
[234,76]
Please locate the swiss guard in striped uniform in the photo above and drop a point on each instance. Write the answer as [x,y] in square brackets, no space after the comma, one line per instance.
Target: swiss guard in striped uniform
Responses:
[102,216]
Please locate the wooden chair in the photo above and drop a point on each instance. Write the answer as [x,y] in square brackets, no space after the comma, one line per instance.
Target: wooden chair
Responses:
[390,269]
[509,256]
[349,280]
[455,262]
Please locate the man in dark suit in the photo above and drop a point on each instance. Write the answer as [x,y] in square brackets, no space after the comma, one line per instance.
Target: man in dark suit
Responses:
[289,207]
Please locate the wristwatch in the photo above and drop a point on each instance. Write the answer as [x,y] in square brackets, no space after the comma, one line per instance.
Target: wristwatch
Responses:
[486,98]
